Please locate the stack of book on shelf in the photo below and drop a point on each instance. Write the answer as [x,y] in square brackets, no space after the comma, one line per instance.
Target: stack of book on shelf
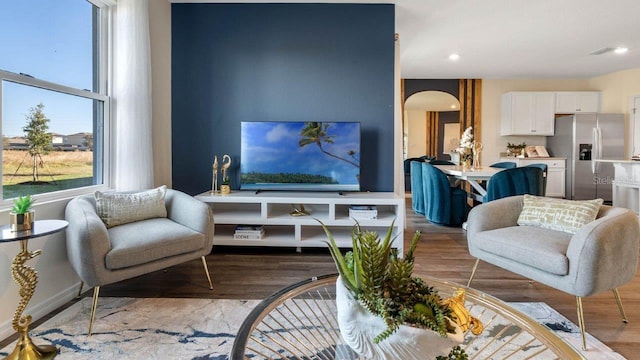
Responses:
[363,212]
[249,232]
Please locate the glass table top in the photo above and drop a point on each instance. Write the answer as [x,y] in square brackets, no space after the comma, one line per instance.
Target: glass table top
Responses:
[299,322]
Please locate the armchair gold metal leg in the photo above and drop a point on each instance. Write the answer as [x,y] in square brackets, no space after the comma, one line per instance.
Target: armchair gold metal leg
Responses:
[94,305]
[617,296]
[581,322]
[206,271]
[473,272]
[80,290]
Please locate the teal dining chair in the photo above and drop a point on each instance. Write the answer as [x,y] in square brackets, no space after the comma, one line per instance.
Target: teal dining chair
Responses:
[504,165]
[544,168]
[516,181]
[417,189]
[443,204]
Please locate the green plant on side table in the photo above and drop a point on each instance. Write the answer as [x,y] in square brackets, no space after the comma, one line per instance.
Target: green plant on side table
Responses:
[21,216]
[414,322]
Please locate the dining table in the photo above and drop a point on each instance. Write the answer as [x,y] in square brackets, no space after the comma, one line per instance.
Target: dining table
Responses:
[471,175]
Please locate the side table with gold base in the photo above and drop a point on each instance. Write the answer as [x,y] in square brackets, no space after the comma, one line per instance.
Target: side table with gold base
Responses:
[27,278]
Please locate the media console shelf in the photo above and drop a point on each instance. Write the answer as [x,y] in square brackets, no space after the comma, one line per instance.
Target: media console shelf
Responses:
[273,210]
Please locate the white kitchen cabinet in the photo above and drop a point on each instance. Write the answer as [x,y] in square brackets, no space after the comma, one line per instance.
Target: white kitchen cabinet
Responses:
[576,102]
[556,172]
[528,113]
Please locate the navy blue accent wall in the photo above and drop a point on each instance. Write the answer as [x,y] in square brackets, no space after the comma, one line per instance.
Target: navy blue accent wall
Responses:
[279,62]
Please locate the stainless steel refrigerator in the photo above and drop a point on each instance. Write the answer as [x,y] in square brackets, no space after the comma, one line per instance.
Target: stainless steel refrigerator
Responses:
[582,138]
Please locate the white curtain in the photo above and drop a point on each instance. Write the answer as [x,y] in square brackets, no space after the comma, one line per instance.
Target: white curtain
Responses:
[133,163]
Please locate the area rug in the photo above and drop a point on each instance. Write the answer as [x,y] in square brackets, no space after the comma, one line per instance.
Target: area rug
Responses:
[200,329]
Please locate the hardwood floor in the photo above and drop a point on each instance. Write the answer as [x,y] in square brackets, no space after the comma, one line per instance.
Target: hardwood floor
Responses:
[254,273]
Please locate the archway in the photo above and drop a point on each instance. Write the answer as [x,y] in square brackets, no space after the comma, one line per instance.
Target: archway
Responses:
[431,124]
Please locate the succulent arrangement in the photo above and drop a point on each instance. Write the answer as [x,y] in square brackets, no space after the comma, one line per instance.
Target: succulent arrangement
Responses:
[516,148]
[22,204]
[384,285]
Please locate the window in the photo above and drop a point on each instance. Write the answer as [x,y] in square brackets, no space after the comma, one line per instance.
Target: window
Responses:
[54,107]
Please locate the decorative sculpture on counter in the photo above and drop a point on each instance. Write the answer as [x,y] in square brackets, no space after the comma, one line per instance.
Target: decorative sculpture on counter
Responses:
[225,188]
[214,181]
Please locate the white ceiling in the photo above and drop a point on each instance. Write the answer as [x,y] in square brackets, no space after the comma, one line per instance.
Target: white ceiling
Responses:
[509,38]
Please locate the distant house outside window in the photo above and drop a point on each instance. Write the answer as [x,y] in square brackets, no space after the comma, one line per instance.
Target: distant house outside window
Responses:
[54,106]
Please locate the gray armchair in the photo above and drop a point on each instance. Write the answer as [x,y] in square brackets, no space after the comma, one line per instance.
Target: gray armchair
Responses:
[601,255]
[103,256]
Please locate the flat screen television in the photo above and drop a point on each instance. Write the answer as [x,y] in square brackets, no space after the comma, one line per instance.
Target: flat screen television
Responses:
[305,156]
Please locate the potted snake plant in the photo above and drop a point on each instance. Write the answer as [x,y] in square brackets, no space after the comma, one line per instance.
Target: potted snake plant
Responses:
[21,216]
[386,313]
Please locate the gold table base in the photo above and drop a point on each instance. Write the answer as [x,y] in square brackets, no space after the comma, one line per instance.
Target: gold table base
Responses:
[27,278]
[27,350]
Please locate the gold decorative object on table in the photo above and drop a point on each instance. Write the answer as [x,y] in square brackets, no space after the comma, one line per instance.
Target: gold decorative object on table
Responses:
[477,148]
[27,278]
[225,188]
[460,314]
[214,180]
[299,211]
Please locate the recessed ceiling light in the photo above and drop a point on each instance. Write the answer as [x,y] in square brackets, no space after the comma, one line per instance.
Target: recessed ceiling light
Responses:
[453,106]
[620,50]
[454,57]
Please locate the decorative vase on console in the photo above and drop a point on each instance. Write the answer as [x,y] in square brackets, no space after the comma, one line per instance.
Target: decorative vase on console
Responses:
[465,160]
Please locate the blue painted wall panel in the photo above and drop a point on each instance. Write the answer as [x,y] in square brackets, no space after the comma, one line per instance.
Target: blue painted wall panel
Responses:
[279,62]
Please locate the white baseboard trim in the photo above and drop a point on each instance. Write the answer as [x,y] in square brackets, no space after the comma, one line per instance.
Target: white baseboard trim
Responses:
[37,311]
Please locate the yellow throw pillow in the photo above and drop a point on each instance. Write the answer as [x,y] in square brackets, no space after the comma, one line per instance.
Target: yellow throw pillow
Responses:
[116,208]
[558,214]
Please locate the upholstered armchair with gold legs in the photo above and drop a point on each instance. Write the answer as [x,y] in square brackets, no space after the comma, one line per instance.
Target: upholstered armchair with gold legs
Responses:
[579,247]
[116,236]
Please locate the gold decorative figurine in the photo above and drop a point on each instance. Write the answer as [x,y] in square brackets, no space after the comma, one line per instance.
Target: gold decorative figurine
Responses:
[477,148]
[214,180]
[461,315]
[225,188]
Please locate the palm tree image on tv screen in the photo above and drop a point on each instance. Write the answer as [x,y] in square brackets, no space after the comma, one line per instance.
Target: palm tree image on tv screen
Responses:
[314,156]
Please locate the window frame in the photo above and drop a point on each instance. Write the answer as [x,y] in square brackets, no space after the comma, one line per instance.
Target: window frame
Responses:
[105,36]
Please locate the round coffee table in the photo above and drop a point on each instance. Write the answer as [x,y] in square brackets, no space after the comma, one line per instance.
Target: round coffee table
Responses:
[299,322]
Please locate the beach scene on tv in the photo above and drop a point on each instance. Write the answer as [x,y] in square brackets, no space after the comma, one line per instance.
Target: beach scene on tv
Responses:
[313,156]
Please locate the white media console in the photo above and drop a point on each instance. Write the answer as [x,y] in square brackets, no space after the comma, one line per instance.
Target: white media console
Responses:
[273,210]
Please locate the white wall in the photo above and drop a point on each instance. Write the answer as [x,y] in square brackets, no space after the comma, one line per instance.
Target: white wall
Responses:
[416,122]
[57,281]
[160,31]
[617,88]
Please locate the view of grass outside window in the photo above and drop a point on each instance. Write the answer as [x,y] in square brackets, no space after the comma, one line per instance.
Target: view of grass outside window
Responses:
[52,124]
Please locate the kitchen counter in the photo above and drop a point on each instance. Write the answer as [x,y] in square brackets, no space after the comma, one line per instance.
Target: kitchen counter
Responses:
[618,161]
[625,183]
[513,158]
